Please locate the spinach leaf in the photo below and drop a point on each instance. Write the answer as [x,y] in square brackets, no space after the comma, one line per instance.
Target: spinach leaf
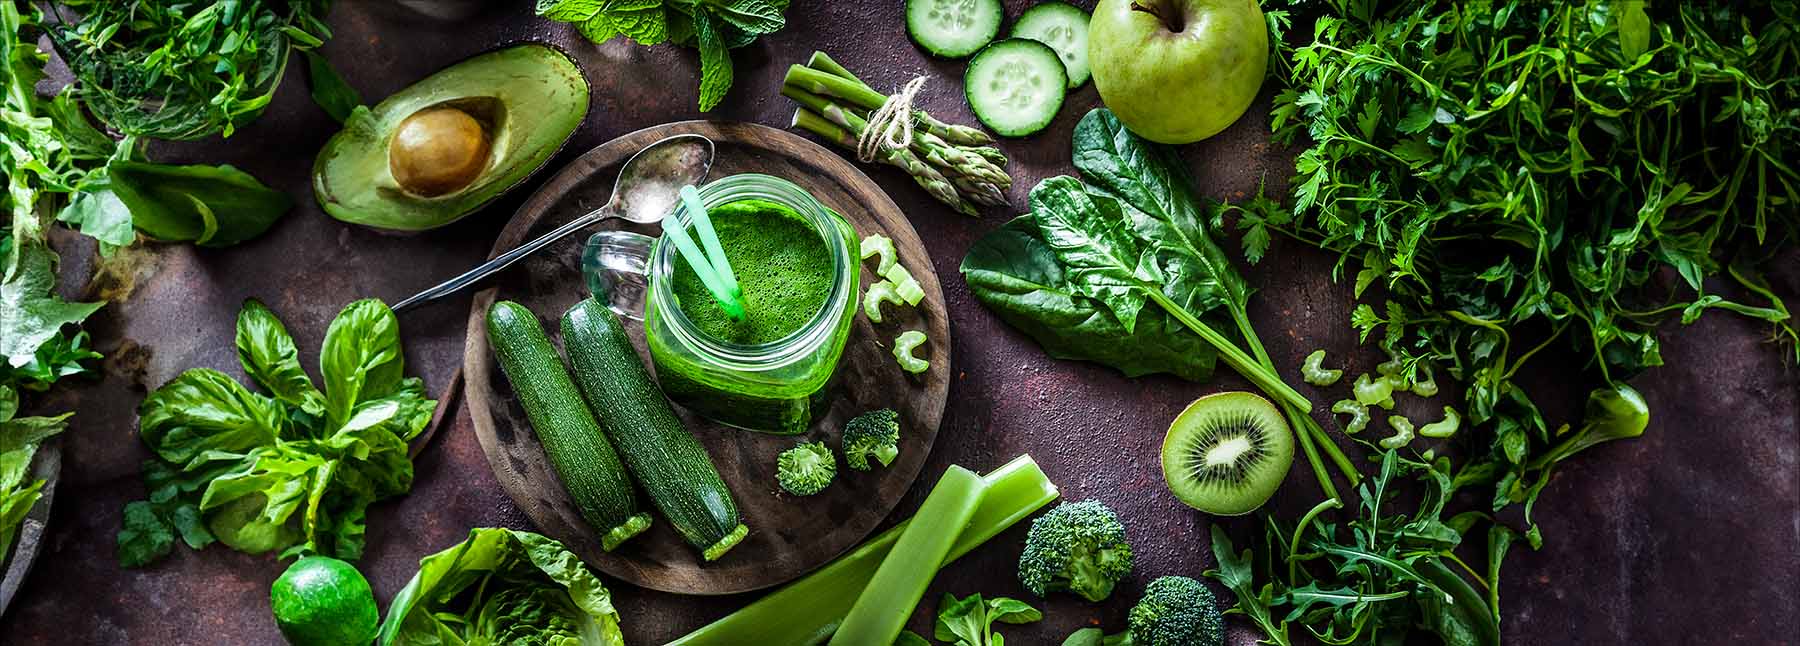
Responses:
[212,206]
[1014,274]
[1093,243]
[269,357]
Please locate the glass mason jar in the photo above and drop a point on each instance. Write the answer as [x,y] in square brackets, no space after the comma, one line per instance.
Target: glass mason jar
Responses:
[776,387]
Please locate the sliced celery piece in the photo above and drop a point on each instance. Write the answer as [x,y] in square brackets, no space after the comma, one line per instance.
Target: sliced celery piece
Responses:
[882,292]
[910,292]
[881,611]
[808,610]
[903,352]
[877,244]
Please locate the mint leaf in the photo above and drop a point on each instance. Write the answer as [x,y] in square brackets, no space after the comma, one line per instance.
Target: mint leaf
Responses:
[643,26]
[715,62]
[570,10]
[755,17]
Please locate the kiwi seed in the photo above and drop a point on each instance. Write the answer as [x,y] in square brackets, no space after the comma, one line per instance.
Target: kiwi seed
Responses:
[1227,453]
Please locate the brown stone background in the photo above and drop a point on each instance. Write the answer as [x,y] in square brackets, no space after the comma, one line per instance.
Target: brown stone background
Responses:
[1685,536]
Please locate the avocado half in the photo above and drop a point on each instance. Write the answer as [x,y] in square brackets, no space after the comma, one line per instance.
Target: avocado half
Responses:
[445,146]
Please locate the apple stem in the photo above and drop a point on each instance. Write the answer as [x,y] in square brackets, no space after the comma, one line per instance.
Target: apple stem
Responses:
[1159,11]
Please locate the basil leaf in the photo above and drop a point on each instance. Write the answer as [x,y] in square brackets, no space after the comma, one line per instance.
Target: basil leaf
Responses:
[203,415]
[212,206]
[1014,274]
[361,358]
[268,355]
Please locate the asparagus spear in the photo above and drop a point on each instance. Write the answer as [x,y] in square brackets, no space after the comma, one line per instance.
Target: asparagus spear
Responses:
[927,177]
[869,99]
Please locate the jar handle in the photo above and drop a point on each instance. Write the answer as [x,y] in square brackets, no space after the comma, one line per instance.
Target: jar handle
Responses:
[615,265]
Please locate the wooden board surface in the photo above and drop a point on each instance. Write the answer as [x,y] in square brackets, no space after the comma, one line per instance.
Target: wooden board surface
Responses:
[788,535]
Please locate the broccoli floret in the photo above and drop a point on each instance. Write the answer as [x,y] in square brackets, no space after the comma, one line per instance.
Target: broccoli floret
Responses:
[806,469]
[875,434]
[1078,547]
[1176,611]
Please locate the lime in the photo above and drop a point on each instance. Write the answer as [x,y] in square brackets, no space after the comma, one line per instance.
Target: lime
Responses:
[322,601]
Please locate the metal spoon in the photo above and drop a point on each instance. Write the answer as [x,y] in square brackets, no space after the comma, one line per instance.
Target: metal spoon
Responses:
[648,188]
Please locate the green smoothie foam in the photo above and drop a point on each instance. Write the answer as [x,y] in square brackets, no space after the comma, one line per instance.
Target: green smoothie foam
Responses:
[782,265]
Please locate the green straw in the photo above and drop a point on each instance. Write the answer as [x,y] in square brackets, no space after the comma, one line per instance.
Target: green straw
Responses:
[733,307]
[690,196]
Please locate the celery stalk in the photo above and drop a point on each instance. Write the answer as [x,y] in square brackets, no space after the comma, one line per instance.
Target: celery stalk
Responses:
[889,599]
[808,610]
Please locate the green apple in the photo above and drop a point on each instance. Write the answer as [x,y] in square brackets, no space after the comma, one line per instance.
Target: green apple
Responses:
[1178,71]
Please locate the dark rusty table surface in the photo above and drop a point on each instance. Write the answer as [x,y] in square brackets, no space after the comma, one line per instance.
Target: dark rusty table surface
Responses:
[1687,535]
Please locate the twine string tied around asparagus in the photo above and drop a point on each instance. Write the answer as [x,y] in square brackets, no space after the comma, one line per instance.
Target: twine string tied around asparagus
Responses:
[891,126]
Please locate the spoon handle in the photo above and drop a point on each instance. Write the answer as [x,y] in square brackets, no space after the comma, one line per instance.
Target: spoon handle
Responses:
[505,260]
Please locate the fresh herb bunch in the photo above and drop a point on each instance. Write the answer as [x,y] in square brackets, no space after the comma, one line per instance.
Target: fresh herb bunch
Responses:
[1375,578]
[1521,176]
[182,69]
[293,471]
[712,26]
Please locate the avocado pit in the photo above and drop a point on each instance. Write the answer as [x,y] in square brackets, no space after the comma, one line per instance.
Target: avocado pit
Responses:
[438,151]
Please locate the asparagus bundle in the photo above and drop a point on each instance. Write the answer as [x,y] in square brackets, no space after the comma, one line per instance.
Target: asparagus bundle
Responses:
[955,164]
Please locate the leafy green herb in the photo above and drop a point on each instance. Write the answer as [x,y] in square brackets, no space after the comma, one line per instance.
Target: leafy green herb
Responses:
[329,89]
[19,441]
[292,471]
[1081,271]
[969,621]
[1371,579]
[182,70]
[502,586]
[712,26]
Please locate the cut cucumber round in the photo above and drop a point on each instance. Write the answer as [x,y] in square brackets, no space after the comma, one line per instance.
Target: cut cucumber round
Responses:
[1062,26]
[1015,86]
[953,28]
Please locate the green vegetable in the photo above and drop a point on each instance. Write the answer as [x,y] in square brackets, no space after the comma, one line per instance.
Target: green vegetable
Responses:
[1403,432]
[585,461]
[669,463]
[969,621]
[1445,427]
[806,469]
[879,245]
[1176,611]
[322,601]
[904,345]
[264,473]
[1078,547]
[954,164]
[875,434]
[1359,415]
[878,293]
[910,292]
[1611,414]
[502,586]
[1382,571]
[1015,86]
[809,609]
[1426,387]
[897,274]
[20,438]
[182,70]
[892,594]
[953,28]
[1312,373]
[1132,236]
[1377,391]
[715,27]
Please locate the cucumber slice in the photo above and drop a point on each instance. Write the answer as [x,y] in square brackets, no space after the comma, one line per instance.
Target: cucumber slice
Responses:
[1062,26]
[953,28]
[1015,86]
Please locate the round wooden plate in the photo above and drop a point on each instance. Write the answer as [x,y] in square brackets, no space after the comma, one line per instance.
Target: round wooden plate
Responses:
[46,465]
[789,535]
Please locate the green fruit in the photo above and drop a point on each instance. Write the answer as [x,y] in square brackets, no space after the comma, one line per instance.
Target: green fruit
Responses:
[1177,71]
[1227,453]
[321,601]
[443,147]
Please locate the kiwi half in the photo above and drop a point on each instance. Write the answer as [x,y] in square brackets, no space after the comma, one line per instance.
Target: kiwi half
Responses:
[1227,453]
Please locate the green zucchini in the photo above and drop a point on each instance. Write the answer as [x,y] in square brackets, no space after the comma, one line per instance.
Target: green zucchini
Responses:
[589,468]
[670,464]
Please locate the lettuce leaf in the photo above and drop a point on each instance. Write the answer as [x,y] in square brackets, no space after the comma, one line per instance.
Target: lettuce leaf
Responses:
[502,586]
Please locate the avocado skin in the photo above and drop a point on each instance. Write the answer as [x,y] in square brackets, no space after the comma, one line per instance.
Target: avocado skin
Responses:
[530,96]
